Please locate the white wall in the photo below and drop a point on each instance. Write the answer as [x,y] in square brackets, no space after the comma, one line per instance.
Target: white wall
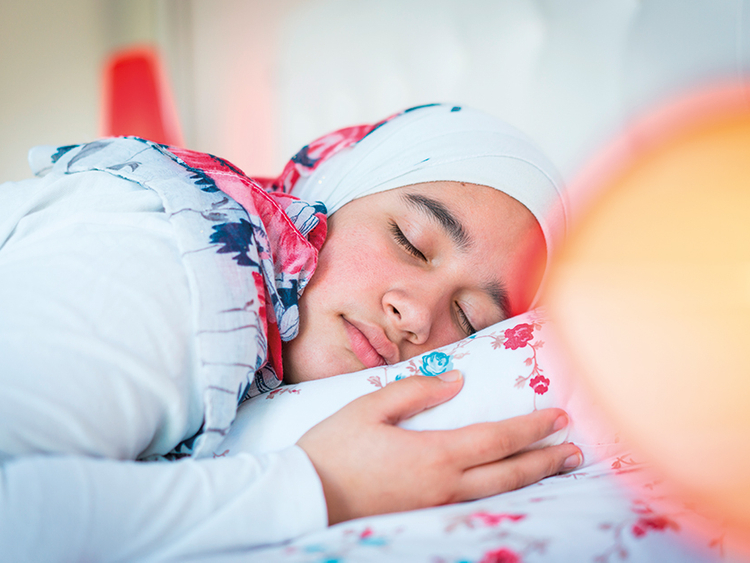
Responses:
[268,77]
[568,72]
[254,80]
[51,57]
[233,67]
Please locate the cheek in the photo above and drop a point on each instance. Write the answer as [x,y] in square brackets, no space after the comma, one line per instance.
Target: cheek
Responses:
[340,266]
[356,259]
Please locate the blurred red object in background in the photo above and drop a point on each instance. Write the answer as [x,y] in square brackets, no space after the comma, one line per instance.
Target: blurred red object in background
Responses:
[137,99]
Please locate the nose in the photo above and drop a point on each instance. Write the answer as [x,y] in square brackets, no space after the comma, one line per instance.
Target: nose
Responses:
[410,314]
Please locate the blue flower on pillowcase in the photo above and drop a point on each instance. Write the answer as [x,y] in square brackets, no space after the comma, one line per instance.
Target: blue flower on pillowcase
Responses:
[399,377]
[436,363]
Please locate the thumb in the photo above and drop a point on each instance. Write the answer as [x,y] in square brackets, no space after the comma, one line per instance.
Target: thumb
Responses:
[402,399]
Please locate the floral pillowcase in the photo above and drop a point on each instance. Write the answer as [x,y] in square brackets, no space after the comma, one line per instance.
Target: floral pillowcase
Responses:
[511,368]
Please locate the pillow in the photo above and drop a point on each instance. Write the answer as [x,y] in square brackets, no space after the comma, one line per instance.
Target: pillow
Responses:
[511,368]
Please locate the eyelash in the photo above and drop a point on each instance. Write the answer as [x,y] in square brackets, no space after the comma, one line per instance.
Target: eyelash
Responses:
[464,321]
[406,244]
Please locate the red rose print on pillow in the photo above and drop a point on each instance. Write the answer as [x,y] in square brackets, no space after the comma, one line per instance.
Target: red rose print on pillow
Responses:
[518,336]
[495,518]
[656,523]
[522,336]
[502,555]
[539,384]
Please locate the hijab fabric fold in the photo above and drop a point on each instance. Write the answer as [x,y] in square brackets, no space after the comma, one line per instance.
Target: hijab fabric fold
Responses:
[431,143]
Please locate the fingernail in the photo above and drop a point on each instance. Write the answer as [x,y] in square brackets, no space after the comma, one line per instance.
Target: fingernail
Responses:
[573,461]
[560,423]
[452,375]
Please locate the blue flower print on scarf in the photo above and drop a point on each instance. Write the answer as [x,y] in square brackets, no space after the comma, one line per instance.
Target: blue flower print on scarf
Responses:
[436,363]
[303,158]
[236,237]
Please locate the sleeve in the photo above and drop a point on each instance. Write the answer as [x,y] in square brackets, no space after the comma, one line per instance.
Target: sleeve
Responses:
[84,509]
[96,336]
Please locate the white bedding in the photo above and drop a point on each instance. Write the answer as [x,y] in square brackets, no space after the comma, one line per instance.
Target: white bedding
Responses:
[610,509]
[610,512]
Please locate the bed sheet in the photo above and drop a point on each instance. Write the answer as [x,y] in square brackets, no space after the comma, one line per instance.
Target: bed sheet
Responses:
[612,511]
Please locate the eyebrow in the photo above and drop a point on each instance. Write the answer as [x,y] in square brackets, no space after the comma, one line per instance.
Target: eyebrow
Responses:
[440,213]
[499,295]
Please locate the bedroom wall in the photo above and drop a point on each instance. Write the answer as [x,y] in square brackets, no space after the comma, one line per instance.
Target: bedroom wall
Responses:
[255,80]
[51,56]
[49,53]
[224,55]
[569,73]
[268,77]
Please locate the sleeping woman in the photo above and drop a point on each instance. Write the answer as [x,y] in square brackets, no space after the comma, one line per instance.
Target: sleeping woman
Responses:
[147,290]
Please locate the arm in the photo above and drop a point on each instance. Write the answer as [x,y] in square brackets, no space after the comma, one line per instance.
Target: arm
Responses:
[90,509]
[84,509]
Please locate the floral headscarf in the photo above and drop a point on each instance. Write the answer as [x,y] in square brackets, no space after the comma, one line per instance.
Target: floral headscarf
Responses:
[435,142]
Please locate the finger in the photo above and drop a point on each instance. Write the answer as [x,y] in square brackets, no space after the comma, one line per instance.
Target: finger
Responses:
[486,442]
[402,399]
[517,471]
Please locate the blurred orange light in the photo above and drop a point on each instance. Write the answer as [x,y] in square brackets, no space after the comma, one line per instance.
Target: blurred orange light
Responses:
[652,295]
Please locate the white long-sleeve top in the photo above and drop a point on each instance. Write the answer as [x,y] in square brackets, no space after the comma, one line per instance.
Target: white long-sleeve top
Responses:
[87,509]
[97,361]
[96,339]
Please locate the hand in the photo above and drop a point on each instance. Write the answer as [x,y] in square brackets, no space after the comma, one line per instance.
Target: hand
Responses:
[368,465]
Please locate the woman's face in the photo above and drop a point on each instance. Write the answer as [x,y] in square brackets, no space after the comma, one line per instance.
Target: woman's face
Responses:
[411,269]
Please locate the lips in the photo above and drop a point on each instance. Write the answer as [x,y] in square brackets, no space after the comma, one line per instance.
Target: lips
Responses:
[372,349]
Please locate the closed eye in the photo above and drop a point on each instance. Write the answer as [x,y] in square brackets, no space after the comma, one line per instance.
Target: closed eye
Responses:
[464,321]
[405,243]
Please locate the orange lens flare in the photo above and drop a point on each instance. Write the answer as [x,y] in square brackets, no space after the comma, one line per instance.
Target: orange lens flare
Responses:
[652,296]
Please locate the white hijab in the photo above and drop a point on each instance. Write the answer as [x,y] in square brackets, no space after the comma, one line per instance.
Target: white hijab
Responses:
[444,143]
